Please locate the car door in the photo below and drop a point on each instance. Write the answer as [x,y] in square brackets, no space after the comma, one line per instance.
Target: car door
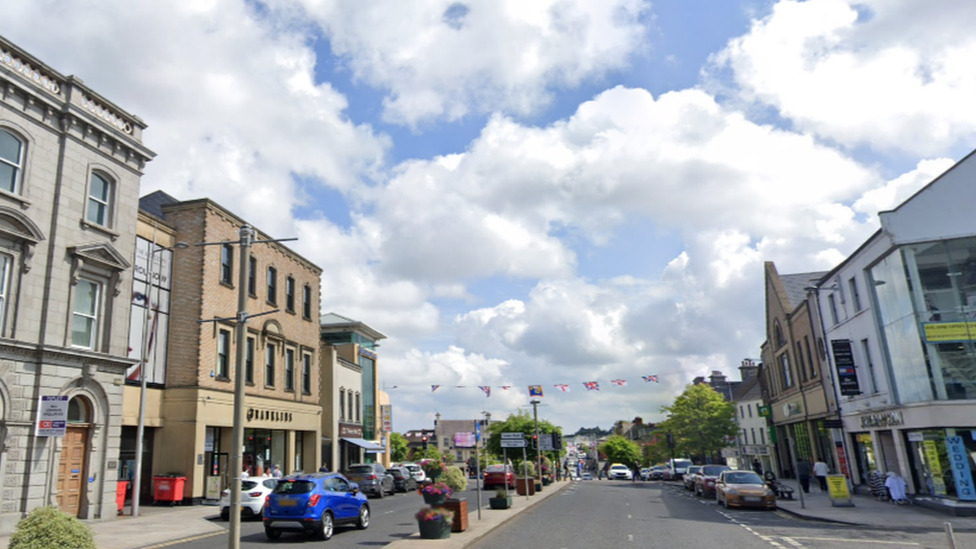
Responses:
[347,504]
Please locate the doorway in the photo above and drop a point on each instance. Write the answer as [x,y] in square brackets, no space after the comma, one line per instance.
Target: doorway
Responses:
[74,457]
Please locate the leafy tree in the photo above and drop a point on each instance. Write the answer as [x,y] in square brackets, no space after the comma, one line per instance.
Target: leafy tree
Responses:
[522,422]
[620,450]
[398,447]
[700,420]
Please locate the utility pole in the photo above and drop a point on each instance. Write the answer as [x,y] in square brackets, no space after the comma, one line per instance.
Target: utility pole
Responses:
[538,453]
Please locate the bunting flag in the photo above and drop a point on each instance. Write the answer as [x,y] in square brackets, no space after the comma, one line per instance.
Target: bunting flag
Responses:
[434,388]
[648,379]
[591,385]
[619,382]
[562,387]
[486,389]
[535,390]
[505,387]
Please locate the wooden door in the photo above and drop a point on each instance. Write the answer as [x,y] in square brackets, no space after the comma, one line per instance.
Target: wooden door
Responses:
[71,469]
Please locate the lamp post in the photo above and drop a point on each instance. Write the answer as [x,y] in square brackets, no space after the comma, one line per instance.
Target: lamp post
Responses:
[538,450]
[144,362]
[246,234]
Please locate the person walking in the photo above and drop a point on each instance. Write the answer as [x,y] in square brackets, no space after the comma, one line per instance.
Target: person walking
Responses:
[803,474]
[636,472]
[276,472]
[757,466]
[820,470]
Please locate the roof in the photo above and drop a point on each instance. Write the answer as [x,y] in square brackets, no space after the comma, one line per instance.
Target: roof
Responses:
[332,322]
[153,203]
[749,389]
[794,285]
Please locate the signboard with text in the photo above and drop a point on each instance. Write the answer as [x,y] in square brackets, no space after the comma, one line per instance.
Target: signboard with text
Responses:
[844,362]
[52,416]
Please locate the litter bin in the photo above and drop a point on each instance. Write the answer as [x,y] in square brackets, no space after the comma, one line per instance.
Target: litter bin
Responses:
[168,488]
[120,489]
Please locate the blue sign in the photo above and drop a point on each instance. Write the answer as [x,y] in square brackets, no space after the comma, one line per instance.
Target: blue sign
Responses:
[961,473]
[477,432]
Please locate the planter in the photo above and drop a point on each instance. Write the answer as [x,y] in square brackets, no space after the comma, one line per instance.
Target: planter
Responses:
[434,529]
[500,503]
[538,485]
[546,481]
[460,508]
[523,487]
[434,499]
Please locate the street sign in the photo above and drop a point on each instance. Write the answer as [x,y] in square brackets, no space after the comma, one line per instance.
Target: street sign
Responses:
[513,443]
[513,436]
[545,442]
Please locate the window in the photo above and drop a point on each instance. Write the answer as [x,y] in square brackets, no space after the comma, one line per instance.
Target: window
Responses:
[11,162]
[752,430]
[350,416]
[742,411]
[813,367]
[778,333]
[762,436]
[342,404]
[269,366]
[833,308]
[252,267]
[749,407]
[272,285]
[307,374]
[5,262]
[249,361]
[290,294]
[307,302]
[799,361]
[784,361]
[227,264]
[223,353]
[289,370]
[867,359]
[78,411]
[99,200]
[84,318]
[855,295]
[358,408]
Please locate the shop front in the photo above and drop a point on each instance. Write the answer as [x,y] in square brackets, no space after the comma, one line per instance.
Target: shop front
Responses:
[941,462]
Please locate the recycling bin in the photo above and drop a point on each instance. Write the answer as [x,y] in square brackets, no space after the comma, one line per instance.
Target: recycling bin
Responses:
[120,489]
[169,489]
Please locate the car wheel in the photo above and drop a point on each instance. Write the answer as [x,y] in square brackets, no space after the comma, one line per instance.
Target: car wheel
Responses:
[363,522]
[381,493]
[272,533]
[324,532]
[225,514]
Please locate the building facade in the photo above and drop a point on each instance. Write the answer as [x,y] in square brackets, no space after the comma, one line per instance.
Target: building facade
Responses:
[70,166]
[752,444]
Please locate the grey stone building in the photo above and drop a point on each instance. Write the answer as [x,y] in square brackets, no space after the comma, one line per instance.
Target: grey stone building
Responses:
[70,167]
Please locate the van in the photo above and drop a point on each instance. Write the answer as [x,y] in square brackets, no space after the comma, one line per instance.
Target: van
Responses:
[678,467]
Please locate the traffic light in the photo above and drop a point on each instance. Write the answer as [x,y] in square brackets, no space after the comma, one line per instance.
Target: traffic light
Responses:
[535,442]
[424,440]
[670,440]
[557,441]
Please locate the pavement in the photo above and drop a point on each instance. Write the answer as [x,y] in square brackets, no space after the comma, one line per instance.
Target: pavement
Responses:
[158,527]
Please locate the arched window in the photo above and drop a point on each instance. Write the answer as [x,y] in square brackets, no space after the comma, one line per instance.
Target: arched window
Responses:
[78,410]
[778,333]
[11,162]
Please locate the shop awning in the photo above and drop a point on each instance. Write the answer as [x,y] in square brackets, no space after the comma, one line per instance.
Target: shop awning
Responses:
[365,444]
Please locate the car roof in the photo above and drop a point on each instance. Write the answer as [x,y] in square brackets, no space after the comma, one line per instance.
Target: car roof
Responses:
[311,476]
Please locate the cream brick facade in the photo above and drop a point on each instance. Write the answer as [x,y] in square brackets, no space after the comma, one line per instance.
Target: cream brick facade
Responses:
[58,134]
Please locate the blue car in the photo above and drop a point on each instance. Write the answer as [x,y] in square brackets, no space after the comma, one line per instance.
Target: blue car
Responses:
[314,503]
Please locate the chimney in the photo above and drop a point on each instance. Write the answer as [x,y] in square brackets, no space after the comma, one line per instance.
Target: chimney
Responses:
[748,369]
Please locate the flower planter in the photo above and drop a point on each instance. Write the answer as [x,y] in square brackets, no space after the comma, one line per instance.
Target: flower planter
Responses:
[459,507]
[434,499]
[546,481]
[434,529]
[523,487]
[538,485]
[500,503]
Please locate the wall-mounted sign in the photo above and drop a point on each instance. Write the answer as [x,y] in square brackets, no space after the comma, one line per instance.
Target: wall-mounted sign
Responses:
[274,416]
[386,413]
[350,431]
[764,411]
[791,409]
[942,332]
[52,416]
[883,419]
[464,440]
[961,473]
[844,362]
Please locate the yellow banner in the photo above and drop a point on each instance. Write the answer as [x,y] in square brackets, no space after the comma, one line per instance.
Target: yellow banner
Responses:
[837,487]
[935,466]
[936,332]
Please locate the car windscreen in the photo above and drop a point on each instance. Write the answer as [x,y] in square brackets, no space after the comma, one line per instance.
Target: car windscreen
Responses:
[743,478]
[397,473]
[693,469]
[681,464]
[361,470]
[495,469]
[412,468]
[294,487]
[713,470]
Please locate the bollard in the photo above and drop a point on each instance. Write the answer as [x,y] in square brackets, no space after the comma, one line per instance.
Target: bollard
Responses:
[950,535]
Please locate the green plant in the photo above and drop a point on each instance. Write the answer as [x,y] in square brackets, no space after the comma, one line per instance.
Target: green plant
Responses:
[456,479]
[501,493]
[49,528]
[436,489]
[434,513]
[527,469]
[432,467]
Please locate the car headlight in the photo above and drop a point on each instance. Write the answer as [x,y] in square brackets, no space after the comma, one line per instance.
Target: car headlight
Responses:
[769,493]
[732,491]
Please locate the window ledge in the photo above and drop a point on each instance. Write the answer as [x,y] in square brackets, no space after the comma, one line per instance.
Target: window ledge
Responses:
[290,311]
[89,226]
[226,284]
[222,378]
[24,203]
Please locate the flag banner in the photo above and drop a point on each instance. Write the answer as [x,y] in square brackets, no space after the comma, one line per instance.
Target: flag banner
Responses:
[648,379]
[562,387]
[591,385]
[619,382]
[434,388]
[535,390]
[505,387]
[486,389]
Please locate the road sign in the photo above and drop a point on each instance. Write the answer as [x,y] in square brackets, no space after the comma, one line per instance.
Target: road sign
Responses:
[513,436]
[513,443]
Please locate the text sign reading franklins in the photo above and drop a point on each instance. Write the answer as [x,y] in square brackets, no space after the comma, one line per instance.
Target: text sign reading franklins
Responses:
[52,416]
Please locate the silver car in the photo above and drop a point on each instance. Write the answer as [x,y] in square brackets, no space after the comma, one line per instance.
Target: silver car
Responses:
[372,478]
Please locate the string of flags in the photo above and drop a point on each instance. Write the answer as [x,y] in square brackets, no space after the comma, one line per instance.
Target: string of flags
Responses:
[536,390]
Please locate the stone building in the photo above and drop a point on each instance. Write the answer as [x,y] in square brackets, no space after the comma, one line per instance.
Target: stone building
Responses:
[70,166]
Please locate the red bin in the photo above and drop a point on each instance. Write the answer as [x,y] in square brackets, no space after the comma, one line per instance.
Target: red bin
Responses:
[168,489]
[120,489]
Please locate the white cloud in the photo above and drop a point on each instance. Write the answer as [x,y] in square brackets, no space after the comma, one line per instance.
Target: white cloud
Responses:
[445,59]
[891,75]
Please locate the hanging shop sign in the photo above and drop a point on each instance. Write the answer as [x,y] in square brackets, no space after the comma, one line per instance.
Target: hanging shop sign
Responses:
[386,412]
[961,473]
[883,419]
[846,372]
[274,416]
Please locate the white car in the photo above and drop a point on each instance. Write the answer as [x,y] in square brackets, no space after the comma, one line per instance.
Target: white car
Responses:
[620,472]
[418,474]
[254,491]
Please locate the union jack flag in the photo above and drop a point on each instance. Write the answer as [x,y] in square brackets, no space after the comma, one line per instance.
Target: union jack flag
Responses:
[648,379]
[486,389]
[562,387]
[619,382]
[591,385]
[434,388]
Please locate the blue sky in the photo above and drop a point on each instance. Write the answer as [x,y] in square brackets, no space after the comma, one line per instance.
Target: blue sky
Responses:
[546,192]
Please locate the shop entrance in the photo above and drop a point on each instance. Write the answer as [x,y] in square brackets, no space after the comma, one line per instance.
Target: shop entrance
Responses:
[263,448]
[71,469]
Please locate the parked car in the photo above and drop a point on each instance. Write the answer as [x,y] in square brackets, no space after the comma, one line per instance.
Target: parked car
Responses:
[706,477]
[372,478]
[689,478]
[499,476]
[254,491]
[403,481]
[587,475]
[743,489]
[418,474]
[659,472]
[619,472]
[314,504]
[678,467]
[645,473]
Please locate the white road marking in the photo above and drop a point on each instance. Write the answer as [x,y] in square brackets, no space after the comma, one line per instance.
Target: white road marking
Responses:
[846,540]
[630,537]
[630,516]
[793,543]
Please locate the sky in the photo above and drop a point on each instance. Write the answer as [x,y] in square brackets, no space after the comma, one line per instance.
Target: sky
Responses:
[537,192]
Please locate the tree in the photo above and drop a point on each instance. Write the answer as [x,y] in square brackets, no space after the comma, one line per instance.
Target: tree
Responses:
[620,450]
[700,420]
[398,447]
[522,422]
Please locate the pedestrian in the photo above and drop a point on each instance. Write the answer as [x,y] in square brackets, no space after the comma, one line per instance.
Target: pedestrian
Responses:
[245,473]
[324,468]
[820,471]
[606,469]
[757,466]
[803,474]
[276,472]
[636,471]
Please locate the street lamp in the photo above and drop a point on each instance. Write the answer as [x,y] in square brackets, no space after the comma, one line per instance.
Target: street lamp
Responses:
[141,430]
[538,453]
